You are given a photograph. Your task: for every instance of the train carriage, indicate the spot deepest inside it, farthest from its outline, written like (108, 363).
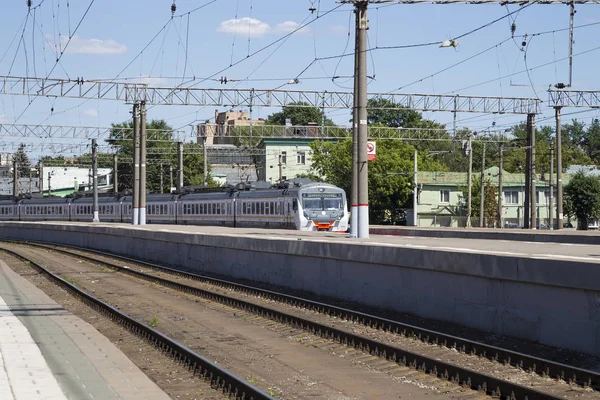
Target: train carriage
(109, 209)
(312, 207)
(161, 209)
(49, 209)
(8, 210)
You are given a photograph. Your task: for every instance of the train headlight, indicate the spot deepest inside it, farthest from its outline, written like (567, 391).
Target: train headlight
(306, 216)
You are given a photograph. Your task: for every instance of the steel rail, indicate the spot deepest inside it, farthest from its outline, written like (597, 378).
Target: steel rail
(540, 366)
(459, 375)
(220, 378)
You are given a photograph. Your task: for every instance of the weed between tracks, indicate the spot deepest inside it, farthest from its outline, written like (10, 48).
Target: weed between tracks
(72, 281)
(154, 322)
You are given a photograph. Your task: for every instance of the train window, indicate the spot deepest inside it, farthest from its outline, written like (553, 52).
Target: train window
(262, 208)
(213, 206)
(295, 203)
(267, 208)
(253, 208)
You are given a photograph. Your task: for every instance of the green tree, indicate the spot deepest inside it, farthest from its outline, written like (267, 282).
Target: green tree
(161, 151)
(299, 113)
(23, 164)
(390, 176)
(393, 118)
(490, 205)
(583, 196)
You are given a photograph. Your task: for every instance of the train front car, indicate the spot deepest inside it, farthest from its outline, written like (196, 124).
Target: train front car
(322, 207)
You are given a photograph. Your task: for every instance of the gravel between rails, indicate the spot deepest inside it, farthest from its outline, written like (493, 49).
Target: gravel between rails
(291, 365)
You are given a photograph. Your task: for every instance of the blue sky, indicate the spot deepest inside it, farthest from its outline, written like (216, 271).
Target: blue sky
(114, 33)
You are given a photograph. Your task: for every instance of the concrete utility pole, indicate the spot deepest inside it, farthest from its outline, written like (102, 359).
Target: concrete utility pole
(96, 217)
(136, 165)
(15, 179)
(205, 160)
(41, 177)
(116, 174)
(470, 181)
(280, 168)
(363, 166)
(161, 179)
(531, 130)
(49, 185)
(170, 178)
(551, 194)
(500, 189)
(559, 182)
(142, 197)
(354, 191)
(482, 198)
(415, 194)
(179, 167)
(526, 189)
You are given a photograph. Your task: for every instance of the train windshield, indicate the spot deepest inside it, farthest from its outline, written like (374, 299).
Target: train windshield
(313, 204)
(322, 203)
(332, 203)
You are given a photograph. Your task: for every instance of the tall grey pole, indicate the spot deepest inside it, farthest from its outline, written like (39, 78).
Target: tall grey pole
(250, 115)
(527, 187)
(363, 166)
(179, 167)
(415, 193)
(161, 179)
(531, 129)
(482, 190)
(96, 217)
(41, 177)
(49, 185)
(116, 173)
(354, 190)
(15, 179)
(142, 210)
(280, 169)
(170, 178)
(500, 189)
(551, 194)
(470, 182)
(136, 165)
(205, 160)
(322, 119)
(559, 182)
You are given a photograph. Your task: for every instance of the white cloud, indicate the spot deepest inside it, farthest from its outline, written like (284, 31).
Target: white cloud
(79, 45)
(91, 113)
(244, 26)
(150, 81)
(289, 26)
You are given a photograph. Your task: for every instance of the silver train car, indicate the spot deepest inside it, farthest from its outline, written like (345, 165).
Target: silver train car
(311, 207)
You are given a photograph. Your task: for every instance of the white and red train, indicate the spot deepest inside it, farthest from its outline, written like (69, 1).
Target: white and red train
(311, 207)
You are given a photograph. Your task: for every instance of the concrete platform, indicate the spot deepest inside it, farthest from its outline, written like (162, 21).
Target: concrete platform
(48, 353)
(545, 292)
(591, 237)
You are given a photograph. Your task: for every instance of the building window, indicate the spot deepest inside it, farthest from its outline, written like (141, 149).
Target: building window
(301, 157)
(511, 197)
(444, 196)
(284, 157)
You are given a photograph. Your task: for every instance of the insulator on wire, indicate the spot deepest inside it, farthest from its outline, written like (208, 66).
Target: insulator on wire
(173, 8)
(29, 3)
(513, 29)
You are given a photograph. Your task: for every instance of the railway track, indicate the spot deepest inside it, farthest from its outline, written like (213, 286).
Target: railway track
(219, 378)
(432, 365)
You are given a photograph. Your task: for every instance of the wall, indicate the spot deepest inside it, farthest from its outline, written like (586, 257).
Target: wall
(554, 302)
